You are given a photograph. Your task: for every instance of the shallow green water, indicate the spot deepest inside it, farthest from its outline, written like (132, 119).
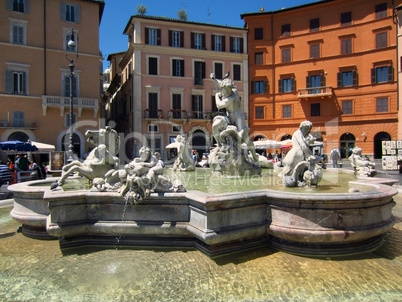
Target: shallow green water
(204, 180)
(36, 270)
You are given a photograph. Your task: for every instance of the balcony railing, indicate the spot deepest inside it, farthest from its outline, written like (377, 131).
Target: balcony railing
(153, 114)
(199, 115)
(20, 125)
(177, 114)
(313, 92)
(64, 104)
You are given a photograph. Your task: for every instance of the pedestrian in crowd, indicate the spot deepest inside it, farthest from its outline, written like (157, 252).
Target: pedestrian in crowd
(335, 155)
(10, 165)
(32, 165)
(22, 163)
(5, 174)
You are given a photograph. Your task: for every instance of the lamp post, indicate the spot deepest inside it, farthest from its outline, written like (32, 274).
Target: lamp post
(71, 56)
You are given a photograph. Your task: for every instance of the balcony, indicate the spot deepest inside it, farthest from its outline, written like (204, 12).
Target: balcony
(23, 125)
(153, 114)
(177, 114)
(315, 92)
(64, 103)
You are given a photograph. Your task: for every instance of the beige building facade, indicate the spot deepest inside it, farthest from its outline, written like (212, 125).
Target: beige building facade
(35, 75)
(161, 86)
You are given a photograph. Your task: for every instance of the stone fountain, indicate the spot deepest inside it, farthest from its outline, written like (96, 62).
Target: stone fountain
(138, 206)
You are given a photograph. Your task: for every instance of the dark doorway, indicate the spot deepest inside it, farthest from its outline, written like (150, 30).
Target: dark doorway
(378, 139)
(199, 142)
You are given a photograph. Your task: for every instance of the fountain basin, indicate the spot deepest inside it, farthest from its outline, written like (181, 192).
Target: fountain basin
(318, 224)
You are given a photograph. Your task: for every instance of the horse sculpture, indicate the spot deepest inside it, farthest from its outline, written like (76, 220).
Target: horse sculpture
(99, 161)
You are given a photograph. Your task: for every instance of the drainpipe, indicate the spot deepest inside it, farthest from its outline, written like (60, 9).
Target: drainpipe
(44, 50)
(273, 65)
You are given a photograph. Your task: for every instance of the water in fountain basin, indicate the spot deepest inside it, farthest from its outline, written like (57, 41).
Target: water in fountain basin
(37, 270)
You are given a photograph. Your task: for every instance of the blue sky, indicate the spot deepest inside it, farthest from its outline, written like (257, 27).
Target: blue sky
(118, 12)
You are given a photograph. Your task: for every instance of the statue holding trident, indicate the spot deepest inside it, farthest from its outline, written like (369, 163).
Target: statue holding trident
(230, 132)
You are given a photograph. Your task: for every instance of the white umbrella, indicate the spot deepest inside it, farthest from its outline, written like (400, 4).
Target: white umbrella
(43, 147)
(266, 144)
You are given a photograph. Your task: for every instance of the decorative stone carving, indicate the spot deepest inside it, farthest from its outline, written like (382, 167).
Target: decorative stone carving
(135, 182)
(231, 134)
(99, 161)
(184, 161)
(361, 166)
(300, 167)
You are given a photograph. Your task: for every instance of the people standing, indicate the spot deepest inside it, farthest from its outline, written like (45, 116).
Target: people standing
(335, 155)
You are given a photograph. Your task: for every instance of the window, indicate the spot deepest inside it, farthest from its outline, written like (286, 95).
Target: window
(314, 82)
(21, 6)
(347, 107)
(218, 70)
(346, 46)
(259, 112)
(259, 58)
(285, 30)
(67, 84)
(382, 104)
(176, 38)
(218, 43)
(315, 109)
(18, 119)
(381, 40)
(153, 128)
(152, 36)
(381, 10)
(382, 74)
(236, 45)
(199, 72)
(176, 129)
(314, 24)
(259, 87)
(236, 72)
(196, 106)
(70, 12)
(346, 19)
(16, 80)
(18, 32)
(287, 84)
(347, 78)
(153, 105)
(286, 55)
(197, 41)
(286, 111)
(176, 105)
(258, 33)
(314, 51)
(152, 66)
(177, 68)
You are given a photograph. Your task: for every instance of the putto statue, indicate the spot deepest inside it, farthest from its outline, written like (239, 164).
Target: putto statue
(300, 167)
(361, 166)
(184, 161)
(230, 133)
(134, 182)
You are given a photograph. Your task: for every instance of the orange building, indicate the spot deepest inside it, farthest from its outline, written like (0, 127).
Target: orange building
(331, 62)
(35, 75)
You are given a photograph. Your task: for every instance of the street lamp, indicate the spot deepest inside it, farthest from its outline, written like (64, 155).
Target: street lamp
(71, 56)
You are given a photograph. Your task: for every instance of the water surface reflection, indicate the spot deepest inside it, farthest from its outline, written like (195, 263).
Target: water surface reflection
(35, 270)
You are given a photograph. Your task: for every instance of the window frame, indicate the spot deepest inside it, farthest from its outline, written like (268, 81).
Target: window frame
(23, 6)
(259, 112)
(70, 12)
(259, 33)
(22, 72)
(152, 67)
(315, 109)
(177, 67)
(287, 111)
(285, 30)
(346, 19)
(347, 107)
(314, 25)
(22, 24)
(382, 105)
(381, 40)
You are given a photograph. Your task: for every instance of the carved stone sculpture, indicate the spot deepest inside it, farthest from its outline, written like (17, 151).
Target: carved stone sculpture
(361, 166)
(300, 167)
(184, 161)
(231, 134)
(99, 161)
